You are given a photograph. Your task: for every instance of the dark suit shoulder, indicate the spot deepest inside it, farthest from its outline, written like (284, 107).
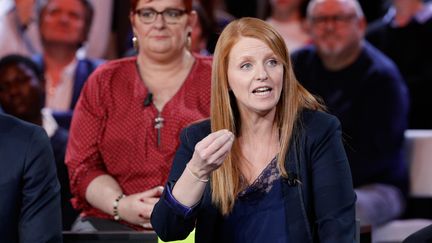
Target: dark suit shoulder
(315, 123)
(316, 118)
(18, 139)
(381, 63)
(303, 55)
(12, 129)
(195, 132)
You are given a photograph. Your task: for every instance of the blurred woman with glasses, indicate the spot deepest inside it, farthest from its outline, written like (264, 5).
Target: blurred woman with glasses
(127, 122)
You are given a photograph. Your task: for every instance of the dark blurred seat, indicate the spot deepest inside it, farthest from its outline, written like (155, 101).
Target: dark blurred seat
(110, 237)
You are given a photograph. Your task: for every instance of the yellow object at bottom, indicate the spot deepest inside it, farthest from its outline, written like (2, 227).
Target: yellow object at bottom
(189, 239)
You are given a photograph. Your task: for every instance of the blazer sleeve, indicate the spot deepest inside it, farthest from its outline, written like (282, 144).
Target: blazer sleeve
(169, 222)
(332, 188)
(83, 157)
(40, 219)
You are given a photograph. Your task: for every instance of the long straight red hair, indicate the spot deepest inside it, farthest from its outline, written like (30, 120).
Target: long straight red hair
(225, 181)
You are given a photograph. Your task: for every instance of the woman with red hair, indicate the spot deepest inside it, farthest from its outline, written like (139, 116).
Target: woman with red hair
(269, 165)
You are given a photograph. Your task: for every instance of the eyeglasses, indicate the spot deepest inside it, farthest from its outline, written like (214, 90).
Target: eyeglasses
(170, 16)
(336, 19)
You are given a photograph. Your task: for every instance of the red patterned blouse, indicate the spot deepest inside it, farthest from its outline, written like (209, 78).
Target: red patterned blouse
(114, 133)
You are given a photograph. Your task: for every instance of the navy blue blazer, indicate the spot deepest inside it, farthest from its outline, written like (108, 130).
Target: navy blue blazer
(319, 209)
(29, 189)
(83, 70)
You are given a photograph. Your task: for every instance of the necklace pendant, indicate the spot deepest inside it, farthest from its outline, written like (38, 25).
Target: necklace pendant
(158, 122)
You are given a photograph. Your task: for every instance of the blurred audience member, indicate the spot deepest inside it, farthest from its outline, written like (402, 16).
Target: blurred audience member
(30, 192)
(201, 31)
(127, 122)
(405, 35)
(21, 95)
(217, 9)
(64, 26)
(365, 90)
(218, 17)
(287, 18)
(18, 28)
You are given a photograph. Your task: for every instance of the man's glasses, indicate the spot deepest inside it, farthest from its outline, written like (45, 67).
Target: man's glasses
(149, 15)
(336, 19)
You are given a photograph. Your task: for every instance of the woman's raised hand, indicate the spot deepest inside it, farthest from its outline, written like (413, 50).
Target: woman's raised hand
(210, 153)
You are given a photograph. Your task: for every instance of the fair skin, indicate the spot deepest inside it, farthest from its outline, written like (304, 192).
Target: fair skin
(405, 10)
(337, 32)
(62, 28)
(255, 76)
(163, 60)
(164, 64)
(135, 208)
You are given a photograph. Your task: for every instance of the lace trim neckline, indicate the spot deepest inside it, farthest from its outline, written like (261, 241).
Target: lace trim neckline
(263, 183)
